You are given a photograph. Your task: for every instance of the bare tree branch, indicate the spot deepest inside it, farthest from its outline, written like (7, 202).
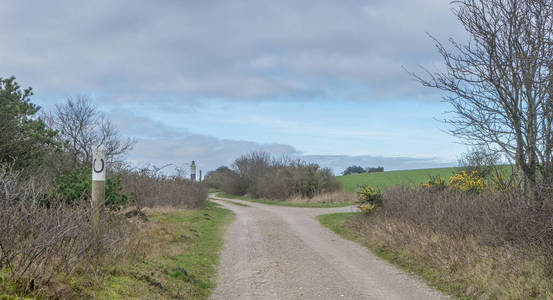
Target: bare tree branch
(499, 83)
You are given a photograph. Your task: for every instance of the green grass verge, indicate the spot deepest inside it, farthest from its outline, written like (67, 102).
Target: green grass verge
(338, 222)
(383, 180)
(286, 203)
(183, 251)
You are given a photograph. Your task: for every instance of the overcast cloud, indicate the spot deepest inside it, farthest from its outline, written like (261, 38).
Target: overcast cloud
(189, 50)
(173, 55)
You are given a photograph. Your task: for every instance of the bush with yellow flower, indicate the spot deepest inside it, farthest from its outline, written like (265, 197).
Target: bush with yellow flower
(434, 184)
(369, 198)
(467, 182)
(461, 181)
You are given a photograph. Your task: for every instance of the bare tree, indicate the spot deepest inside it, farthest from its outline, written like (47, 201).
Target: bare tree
(499, 82)
(481, 161)
(81, 127)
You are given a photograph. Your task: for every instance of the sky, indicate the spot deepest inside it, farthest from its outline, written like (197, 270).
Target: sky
(324, 81)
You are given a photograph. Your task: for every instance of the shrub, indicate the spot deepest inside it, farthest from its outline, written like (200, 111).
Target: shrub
(370, 195)
(479, 160)
(467, 182)
(450, 235)
(213, 178)
(369, 199)
(374, 170)
(148, 187)
(498, 182)
(359, 170)
(353, 170)
(307, 179)
(463, 182)
(39, 242)
(77, 184)
(115, 197)
(275, 185)
(250, 168)
(24, 138)
(367, 207)
(257, 175)
(434, 184)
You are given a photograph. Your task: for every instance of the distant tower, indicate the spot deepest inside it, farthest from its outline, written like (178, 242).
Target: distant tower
(200, 175)
(193, 171)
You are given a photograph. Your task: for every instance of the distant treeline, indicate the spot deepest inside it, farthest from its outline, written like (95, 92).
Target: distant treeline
(358, 170)
(259, 175)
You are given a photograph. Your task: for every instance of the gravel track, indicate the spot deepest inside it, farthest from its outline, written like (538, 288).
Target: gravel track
(277, 252)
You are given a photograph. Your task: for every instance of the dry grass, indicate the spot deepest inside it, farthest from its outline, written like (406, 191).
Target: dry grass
(489, 246)
(158, 238)
(44, 240)
(148, 187)
(332, 197)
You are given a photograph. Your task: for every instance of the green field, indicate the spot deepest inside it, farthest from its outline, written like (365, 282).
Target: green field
(392, 178)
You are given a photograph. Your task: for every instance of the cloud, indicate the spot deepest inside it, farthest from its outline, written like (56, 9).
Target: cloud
(159, 144)
(208, 152)
(244, 49)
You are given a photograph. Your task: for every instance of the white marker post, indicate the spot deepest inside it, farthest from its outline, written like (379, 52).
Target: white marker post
(98, 184)
(193, 171)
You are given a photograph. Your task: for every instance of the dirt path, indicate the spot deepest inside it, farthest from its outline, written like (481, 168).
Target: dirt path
(276, 252)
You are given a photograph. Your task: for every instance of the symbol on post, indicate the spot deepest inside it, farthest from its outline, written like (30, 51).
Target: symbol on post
(101, 168)
(99, 165)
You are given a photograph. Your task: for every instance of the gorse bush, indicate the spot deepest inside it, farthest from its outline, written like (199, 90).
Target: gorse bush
(499, 182)
(467, 182)
(370, 195)
(369, 198)
(77, 185)
(115, 198)
(434, 184)
(463, 182)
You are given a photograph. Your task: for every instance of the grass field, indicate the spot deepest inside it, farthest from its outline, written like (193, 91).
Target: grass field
(181, 250)
(286, 203)
(392, 178)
